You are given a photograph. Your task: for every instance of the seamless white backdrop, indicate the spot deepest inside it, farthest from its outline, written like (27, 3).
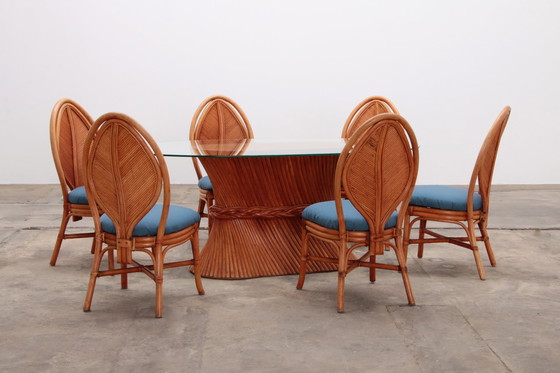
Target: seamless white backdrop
(296, 67)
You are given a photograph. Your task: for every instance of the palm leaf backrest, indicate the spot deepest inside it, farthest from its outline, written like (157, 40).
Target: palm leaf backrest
(125, 173)
(484, 166)
(69, 127)
(219, 118)
(365, 110)
(378, 169)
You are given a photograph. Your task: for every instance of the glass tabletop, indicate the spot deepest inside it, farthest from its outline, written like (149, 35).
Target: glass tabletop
(251, 147)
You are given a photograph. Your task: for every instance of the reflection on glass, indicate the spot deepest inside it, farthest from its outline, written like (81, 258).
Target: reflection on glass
(225, 147)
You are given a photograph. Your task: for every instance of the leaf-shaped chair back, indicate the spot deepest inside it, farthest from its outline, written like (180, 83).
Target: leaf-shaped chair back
(378, 169)
(125, 172)
(484, 166)
(69, 127)
(365, 110)
(219, 118)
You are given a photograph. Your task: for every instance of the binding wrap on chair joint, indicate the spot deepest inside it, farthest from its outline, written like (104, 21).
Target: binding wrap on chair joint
(124, 251)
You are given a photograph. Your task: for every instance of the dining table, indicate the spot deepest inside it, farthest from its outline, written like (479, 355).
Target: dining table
(260, 188)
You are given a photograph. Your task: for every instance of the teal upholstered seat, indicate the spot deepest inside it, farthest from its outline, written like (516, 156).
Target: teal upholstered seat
(179, 218)
(443, 197)
(78, 196)
(324, 214)
(204, 183)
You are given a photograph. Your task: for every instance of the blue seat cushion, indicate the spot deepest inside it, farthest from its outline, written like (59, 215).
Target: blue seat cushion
(178, 218)
(205, 183)
(78, 196)
(324, 214)
(443, 197)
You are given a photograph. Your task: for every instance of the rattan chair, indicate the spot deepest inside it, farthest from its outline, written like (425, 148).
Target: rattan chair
(68, 129)
(377, 168)
(464, 207)
(125, 175)
(217, 117)
(365, 110)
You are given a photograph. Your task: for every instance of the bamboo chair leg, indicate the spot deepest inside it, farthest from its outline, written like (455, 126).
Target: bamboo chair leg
(110, 258)
(124, 277)
(340, 297)
(372, 259)
(201, 204)
(476, 252)
(421, 238)
(196, 266)
(60, 237)
(342, 271)
(486, 237)
(399, 251)
(158, 274)
(209, 202)
(406, 233)
(93, 276)
(303, 259)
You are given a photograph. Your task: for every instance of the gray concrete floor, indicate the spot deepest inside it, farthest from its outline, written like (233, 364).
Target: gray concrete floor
(508, 323)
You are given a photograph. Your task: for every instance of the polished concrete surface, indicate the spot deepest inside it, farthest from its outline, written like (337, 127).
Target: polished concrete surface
(508, 323)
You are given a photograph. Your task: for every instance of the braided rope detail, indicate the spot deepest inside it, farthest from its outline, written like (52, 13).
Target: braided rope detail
(256, 212)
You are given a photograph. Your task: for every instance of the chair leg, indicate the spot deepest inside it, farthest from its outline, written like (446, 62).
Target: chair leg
(60, 237)
(303, 259)
(196, 266)
(476, 253)
(209, 203)
(124, 277)
(94, 274)
(421, 234)
(110, 258)
(158, 274)
(399, 251)
(406, 233)
(372, 259)
(486, 237)
(201, 204)
(342, 272)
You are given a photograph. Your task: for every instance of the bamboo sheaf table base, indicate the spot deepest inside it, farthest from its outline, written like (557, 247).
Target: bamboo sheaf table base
(259, 196)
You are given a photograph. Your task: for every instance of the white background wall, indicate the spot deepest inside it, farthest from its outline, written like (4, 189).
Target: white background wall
(296, 67)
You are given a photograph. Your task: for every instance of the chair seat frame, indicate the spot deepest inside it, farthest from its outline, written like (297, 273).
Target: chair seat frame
(156, 251)
(460, 218)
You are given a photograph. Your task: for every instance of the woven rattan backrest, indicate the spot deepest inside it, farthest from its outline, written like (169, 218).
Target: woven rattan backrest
(125, 172)
(219, 118)
(484, 167)
(68, 130)
(378, 169)
(365, 110)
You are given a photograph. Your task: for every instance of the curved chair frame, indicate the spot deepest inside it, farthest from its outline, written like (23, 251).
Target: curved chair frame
(481, 182)
(125, 179)
(365, 110)
(217, 117)
(377, 168)
(69, 125)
